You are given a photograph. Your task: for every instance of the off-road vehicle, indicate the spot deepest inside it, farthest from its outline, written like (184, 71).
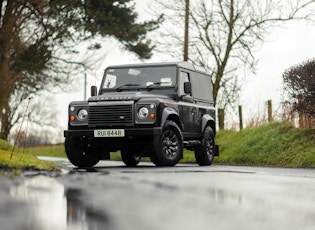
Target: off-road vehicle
(145, 110)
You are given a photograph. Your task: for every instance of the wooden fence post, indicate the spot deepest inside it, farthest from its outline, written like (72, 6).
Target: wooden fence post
(270, 119)
(240, 114)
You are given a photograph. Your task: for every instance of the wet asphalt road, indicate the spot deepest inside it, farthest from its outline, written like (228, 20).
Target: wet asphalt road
(112, 196)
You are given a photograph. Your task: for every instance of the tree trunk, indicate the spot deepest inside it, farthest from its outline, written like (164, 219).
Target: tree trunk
(8, 40)
(221, 119)
(6, 123)
(4, 97)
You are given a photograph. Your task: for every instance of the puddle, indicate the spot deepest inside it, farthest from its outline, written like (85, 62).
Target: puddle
(89, 170)
(52, 207)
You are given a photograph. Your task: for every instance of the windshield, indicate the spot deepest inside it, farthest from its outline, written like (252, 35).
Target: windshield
(140, 77)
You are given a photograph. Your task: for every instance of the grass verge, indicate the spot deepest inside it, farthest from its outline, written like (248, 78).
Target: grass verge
(276, 144)
(21, 161)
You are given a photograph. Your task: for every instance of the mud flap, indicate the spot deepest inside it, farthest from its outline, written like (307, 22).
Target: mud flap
(216, 150)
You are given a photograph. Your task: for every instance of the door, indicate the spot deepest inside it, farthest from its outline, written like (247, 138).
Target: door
(187, 109)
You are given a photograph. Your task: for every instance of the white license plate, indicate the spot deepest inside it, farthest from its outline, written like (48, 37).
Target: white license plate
(109, 133)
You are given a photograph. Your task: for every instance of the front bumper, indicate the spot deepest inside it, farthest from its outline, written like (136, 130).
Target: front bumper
(128, 132)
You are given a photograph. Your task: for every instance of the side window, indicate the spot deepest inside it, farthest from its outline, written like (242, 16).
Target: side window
(202, 87)
(183, 77)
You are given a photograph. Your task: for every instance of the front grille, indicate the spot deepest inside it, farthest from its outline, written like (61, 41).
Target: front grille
(111, 115)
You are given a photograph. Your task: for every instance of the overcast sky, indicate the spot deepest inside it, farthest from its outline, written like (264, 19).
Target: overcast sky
(286, 46)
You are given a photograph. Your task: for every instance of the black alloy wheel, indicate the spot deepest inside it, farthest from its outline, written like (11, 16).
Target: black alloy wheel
(204, 152)
(82, 152)
(168, 148)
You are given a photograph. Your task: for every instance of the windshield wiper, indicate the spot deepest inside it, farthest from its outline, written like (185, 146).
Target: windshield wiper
(118, 89)
(154, 84)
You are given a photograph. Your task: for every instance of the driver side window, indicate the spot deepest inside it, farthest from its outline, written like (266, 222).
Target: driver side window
(183, 77)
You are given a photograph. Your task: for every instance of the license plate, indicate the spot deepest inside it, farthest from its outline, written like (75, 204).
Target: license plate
(109, 133)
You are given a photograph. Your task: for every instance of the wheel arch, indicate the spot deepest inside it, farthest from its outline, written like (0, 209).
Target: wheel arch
(170, 114)
(208, 120)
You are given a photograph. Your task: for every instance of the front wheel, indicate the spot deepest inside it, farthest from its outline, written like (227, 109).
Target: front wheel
(204, 152)
(168, 147)
(82, 152)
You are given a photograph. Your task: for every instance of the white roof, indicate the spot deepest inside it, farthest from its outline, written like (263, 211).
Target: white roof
(182, 64)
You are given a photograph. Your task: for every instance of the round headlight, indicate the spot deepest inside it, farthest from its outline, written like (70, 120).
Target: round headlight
(82, 114)
(143, 112)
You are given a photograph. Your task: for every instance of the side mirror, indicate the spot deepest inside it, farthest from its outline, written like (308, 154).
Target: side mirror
(93, 90)
(187, 87)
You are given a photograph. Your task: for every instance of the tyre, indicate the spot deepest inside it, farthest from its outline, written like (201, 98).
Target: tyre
(131, 157)
(168, 147)
(82, 152)
(204, 152)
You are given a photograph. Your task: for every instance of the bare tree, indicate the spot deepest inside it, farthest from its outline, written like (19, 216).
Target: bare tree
(225, 34)
(37, 116)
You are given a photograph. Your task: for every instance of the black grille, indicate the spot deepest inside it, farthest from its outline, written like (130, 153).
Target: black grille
(110, 115)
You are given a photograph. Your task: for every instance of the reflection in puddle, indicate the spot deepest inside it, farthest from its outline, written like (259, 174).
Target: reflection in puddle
(223, 197)
(89, 170)
(51, 206)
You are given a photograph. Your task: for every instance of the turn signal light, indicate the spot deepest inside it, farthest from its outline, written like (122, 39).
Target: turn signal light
(152, 115)
(72, 118)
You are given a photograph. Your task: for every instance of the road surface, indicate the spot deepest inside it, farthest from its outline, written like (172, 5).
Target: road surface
(112, 196)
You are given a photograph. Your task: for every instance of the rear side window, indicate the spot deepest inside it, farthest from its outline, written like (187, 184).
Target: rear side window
(201, 87)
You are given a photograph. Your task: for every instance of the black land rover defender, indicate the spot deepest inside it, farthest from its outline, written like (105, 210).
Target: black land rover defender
(145, 110)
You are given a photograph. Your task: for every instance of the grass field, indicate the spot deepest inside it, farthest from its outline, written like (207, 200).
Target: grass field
(49, 150)
(276, 144)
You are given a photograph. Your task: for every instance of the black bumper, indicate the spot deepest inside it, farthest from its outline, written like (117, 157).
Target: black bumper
(128, 132)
